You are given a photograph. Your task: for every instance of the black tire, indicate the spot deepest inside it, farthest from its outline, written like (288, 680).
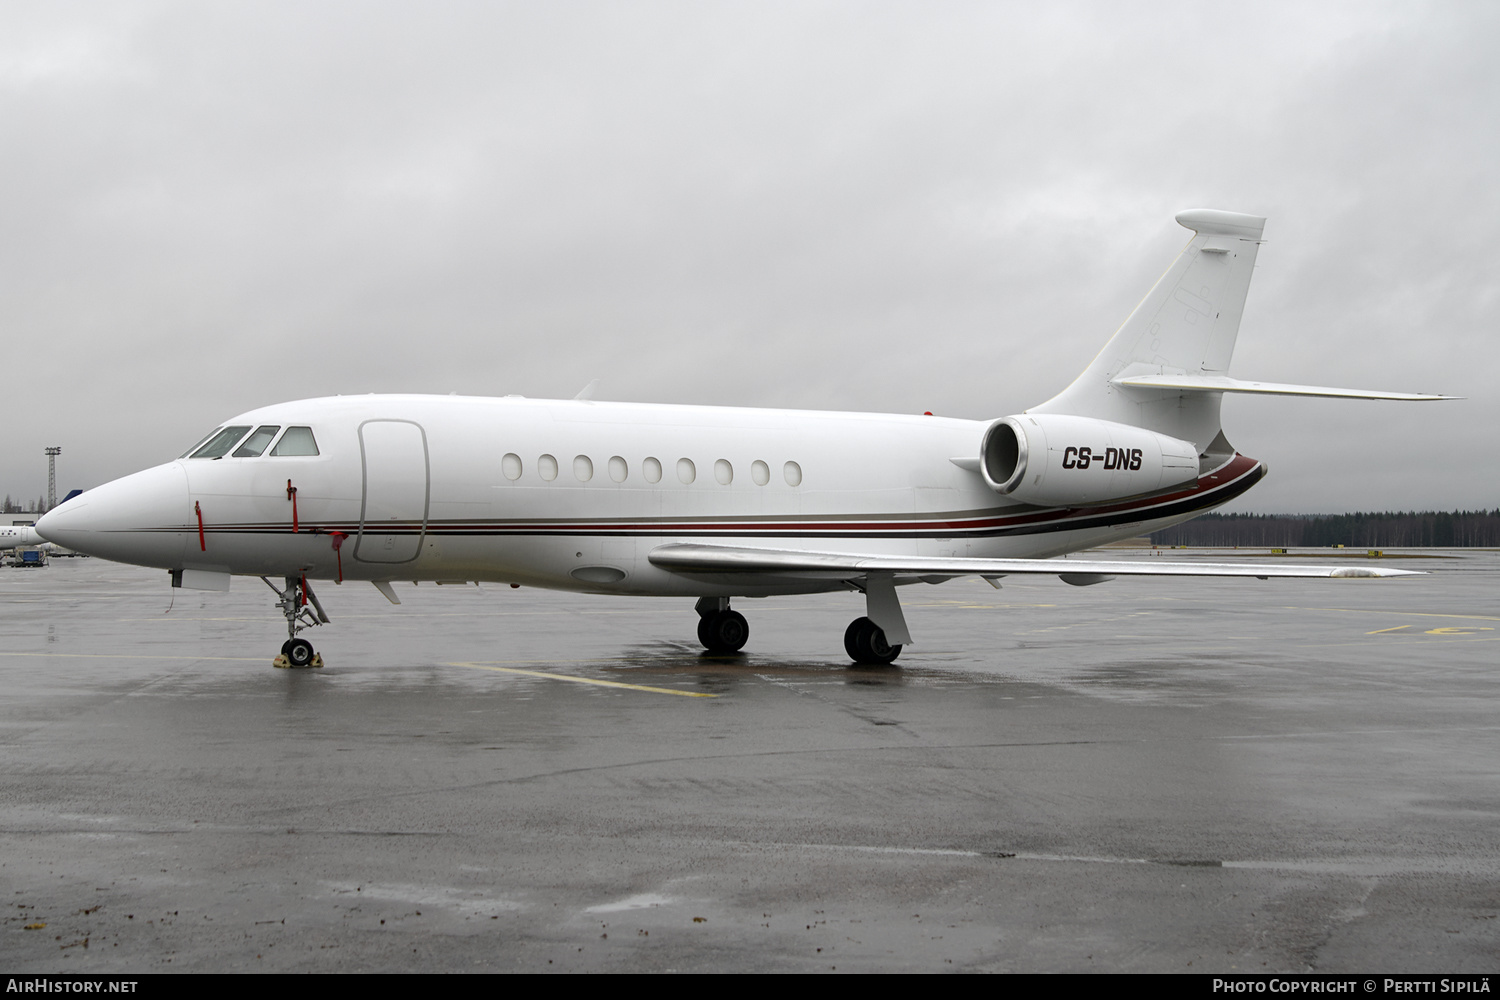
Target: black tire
(299, 652)
(286, 646)
(723, 632)
(865, 643)
(853, 638)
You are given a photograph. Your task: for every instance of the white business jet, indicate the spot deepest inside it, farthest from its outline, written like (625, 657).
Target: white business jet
(715, 503)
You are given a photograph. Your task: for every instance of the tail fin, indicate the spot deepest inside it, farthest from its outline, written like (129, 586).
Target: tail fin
(1186, 326)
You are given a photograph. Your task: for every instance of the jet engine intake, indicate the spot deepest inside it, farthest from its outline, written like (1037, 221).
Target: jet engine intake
(1057, 460)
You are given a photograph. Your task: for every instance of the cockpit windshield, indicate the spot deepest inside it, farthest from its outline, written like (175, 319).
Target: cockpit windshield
(256, 443)
(200, 443)
(220, 442)
(296, 441)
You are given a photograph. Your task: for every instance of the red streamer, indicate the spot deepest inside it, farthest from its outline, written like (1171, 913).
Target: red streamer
(338, 543)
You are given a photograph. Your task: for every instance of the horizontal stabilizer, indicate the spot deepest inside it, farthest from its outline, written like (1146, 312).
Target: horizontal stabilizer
(1223, 383)
(696, 559)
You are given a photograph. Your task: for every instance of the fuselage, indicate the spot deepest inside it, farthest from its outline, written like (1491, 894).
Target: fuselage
(574, 494)
(15, 536)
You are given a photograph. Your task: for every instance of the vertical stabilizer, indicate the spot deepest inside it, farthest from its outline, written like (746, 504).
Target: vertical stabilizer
(1186, 325)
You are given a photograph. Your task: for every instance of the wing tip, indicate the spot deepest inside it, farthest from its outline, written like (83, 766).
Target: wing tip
(1367, 573)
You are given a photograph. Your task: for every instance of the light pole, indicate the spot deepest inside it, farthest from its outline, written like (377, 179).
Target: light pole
(52, 454)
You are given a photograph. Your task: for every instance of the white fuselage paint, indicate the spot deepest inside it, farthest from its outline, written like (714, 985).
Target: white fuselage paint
(419, 485)
(16, 536)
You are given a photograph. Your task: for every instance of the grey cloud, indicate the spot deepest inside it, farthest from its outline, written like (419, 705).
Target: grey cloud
(865, 206)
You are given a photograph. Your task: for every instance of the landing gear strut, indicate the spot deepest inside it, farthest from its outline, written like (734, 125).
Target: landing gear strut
(877, 638)
(720, 629)
(865, 642)
(293, 601)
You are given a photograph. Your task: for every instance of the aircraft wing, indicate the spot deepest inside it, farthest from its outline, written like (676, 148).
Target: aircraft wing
(720, 561)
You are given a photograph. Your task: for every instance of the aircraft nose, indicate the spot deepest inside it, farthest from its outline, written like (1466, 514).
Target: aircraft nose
(139, 519)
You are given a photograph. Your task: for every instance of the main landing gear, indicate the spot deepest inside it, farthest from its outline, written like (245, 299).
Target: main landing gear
(866, 643)
(293, 601)
(720, 629)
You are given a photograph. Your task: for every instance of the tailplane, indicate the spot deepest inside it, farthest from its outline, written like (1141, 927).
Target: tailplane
(1167, 368)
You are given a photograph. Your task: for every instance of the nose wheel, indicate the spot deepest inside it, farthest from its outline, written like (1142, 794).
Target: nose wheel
(302, 610)
(299, 653)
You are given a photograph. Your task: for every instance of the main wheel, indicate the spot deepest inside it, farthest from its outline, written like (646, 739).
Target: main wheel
(298, 652)
(865, 642)
(723, 632)
(852, 637)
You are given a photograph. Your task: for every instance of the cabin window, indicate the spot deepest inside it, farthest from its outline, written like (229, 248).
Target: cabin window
(256, 443)
(583, 468)
(723, 472)
(219, 444)
(297, 441)
(760, 472)
(546, 467)
(793, 473)
(651, 469)
(619, 469)
(510, 465)
(686, 470)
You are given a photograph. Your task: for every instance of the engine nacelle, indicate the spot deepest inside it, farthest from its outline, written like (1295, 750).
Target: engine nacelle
(1057, 460)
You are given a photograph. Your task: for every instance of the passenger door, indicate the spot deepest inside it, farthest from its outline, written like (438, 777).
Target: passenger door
(393, 512)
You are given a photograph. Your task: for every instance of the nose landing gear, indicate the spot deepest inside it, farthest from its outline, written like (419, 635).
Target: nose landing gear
(298, 653)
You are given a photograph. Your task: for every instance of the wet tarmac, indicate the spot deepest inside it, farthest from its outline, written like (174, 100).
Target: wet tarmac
(1149, 775)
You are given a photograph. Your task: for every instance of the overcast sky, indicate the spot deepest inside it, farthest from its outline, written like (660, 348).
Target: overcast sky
(924, 206)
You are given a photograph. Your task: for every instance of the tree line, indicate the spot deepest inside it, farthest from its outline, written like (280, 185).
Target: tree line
(38, 506)
(1391, 529)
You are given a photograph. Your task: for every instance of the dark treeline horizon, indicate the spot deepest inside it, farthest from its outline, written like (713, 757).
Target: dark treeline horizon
(13, 506)
(1389, 529)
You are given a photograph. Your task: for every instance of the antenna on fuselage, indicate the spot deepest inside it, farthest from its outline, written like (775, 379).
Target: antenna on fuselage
(587, 392)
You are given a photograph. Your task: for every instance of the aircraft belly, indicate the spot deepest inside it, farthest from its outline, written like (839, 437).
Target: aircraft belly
(590, 564)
